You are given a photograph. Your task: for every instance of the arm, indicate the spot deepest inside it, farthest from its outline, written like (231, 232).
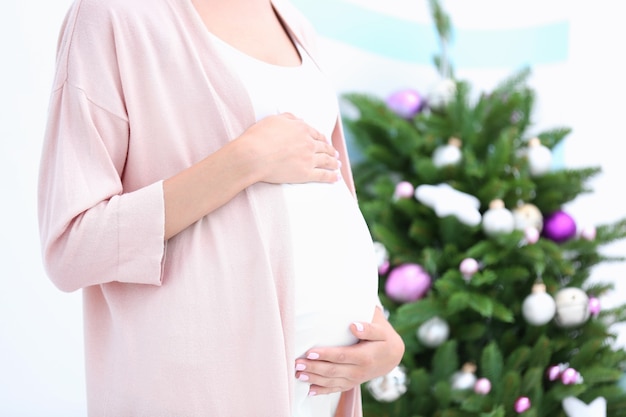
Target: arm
(278, 149)
(94, 232)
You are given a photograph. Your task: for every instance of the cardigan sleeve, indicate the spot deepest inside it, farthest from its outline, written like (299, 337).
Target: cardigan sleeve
(93, 230)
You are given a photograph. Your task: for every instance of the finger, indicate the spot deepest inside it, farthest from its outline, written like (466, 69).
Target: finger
(318, 136)
(315, 390)
(319, 358)
(322, 383)
(325, 175)
(325, 161)
(367, 331)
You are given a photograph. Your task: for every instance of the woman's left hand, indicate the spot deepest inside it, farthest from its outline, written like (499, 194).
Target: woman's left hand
(338, 369)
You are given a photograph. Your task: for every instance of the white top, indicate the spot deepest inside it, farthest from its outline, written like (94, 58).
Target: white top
(336, 278)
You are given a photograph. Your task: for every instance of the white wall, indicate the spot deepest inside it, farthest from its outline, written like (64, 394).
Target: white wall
(41, 372)
(41, 358)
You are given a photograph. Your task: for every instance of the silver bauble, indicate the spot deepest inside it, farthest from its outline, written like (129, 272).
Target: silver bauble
(390, 387)
(539, 158)
(527, 215)
(572, 307)
(498, 220)
(433, 332)
(539, 307)
(449, 154)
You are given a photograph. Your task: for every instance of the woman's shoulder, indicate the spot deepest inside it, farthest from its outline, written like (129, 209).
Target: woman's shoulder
(106, 12)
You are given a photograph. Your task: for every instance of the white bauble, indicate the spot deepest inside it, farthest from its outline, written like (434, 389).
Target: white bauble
(539, 157)
(498, 220)
(441, 94)
(527, 215)
(539, 307)
(390, 387)
(380, 254)
(464, 379)
(572, 307)
(433, 332)
(449, 154)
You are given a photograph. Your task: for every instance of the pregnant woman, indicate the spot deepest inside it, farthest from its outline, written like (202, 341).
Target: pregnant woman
(194, 183)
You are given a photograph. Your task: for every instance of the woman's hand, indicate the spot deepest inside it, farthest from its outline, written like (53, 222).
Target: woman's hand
(337, 369)
(284, 149)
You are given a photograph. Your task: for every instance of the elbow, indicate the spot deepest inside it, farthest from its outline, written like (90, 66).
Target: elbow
(61, 277)
(60, 269)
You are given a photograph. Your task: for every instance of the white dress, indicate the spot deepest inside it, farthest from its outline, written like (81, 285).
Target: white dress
(336, 279)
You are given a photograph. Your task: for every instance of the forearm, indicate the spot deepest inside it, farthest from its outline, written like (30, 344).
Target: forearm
(207, 185)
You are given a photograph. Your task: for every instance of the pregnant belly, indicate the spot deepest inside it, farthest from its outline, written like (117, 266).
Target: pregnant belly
(336, 278)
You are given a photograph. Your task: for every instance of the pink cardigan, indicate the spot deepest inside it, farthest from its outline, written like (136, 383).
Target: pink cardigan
(200, 325)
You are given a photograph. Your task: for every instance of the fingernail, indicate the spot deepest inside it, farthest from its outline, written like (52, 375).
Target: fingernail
(358, 325)
(336, 154)
(300, 367)
(312, 393)
(339, 177)
(303, 377)
(313, 355)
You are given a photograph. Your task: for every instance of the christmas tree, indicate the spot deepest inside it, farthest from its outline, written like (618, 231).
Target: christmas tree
(482, 271)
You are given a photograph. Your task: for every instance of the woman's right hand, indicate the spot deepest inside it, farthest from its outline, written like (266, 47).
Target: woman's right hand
(284, 149)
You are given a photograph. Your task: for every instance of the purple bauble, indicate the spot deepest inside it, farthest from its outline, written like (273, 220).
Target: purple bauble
(570, 376)
(407, 283)
(559, 227)
(482, 386)
(383, 268)
(404, 189)
(531, 235)
(405, 103)
(554, 372)
(594, 306)
(468, 267)
(522, 404)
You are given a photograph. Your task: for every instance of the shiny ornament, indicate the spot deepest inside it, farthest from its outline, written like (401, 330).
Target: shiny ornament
(433, 332)
(441, 94)
(468, 267)
(572, 307)
(559, 226)
(571, 376)
(482, 386)
(555, 371)
(588, 232)
(390, 387)
(539, 158)
(522, 404)
(404, 189)
(405, 103)
(497, 220)
(594, 306)
(382, 258)
(446, 201)
(449, 154)
(407, 283)
(465, 378)
(527, 215)
(539, 307)
(531, 235)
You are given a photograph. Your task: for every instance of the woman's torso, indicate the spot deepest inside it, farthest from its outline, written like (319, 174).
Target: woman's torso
(334, 271)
